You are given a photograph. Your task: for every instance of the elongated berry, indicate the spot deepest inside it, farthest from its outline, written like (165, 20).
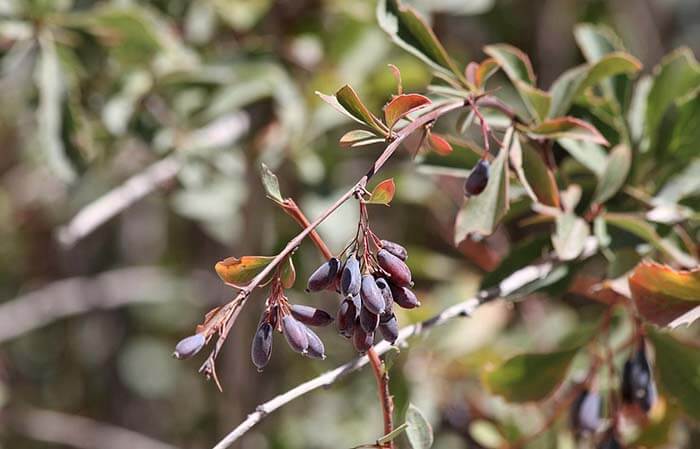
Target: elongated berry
(362, 340)
(295, 333)
(189, 346)
(395, 249)
(478, 178)
(372, 298)
(261, 348)
(324, 276)
(389, 328)
(386, 293)
(311, 315)
(585, 412)
(398, 271)
(368, 320)
(345, 319)
(638, 385)
(350, 279)
(404, 297)
(316, 350)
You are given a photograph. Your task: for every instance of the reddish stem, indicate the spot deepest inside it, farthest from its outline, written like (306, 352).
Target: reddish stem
(385, 398)
(292, 209)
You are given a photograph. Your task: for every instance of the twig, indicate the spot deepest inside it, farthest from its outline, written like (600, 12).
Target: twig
(385, 398)
(78, 431)
(515, 281)
(106, 207)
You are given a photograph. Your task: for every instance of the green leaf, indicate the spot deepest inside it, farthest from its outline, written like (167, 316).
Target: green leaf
(615, 174)
(590, 155)
(410, 32)
(682, 185)
(596, 41)
(271, 184)
(383, 193)
(349, 100)
(645, 231)
(419, 431)
(534, 174)
(288, 273)
(50, 86)
(570, 236)
(529, 377)
(678, 366)
(393, 434)
(662, 293)
(677, 76)
(481, 213)
(568, 128)
(536, 101)
(359, 137)
(513, 61)
(401, 105)
(238, 272)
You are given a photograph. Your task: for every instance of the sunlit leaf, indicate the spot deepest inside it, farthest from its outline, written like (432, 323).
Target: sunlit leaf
(662, 293)
(678, 365)
(536, 100)
(351, 102)
(616, 170)
(383, 193)
(570, 236)
(391, 436)
(488, 67)
(568, 128)
(513, 61)
(589, 154)
(288, 273)
(271, 184)
(357, 136)
(238, 272)
(419, 430)
(439, 145)
(595, 41)
(534, 174)
(486, 434)
(401, 105)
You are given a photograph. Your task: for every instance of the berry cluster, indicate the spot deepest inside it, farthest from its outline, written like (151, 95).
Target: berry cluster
(638, 391)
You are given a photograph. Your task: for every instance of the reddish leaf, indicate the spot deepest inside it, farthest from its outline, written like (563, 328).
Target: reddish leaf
(487, 68)
(238, 272)
(383, 193)
(662, 293)
(439, 144)
(567, 127)
(401, 105)
(397, 74)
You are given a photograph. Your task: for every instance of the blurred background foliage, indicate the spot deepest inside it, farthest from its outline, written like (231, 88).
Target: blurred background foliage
(193, 96)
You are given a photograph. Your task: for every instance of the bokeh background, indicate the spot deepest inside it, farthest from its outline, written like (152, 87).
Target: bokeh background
(168, 107)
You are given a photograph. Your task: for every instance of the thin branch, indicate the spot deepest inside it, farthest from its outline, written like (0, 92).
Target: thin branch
(78, 295)
(509, 285)
(385, 399)
(78, 431)
(111, 204)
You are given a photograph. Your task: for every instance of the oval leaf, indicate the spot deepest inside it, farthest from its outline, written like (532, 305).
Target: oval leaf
(419, 430)
(288, 273)
(383, 193)
(662, 293)
(351, 102)
(356, 136)
(439, 145)
(616, 170)
(402, 105)
(271, 184)
(534, 174)
(567, 127)
(513, 61)
(487, 68)
(570, 236)
(238, 272)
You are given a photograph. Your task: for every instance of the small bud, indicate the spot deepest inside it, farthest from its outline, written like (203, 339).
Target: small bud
(404, 297)
(350, 279)
(311, 315)
(316, 350)
(324, 276)
(368, 320)
(389, 328)
(372, 298)
(362, 340)
(295, 333)
(585, 412)
(398, 271)
(261, 348)
(189, 346)
(478, 178)
(395, 249)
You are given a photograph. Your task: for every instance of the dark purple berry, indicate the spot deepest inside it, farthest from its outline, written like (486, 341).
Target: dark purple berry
(638, 385)
(389, 328)
(395, 249)
(585, 412)
(404, 297)
(368, 320)
(311, 315)
(189, 346)
(386, 293)
(372, 298)
(398, 271)
(316, 350)
(345, 319)
(350, 279)
(362, 340)
(478, 178)
(261, 349)
(295, 333)
(324, 276)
